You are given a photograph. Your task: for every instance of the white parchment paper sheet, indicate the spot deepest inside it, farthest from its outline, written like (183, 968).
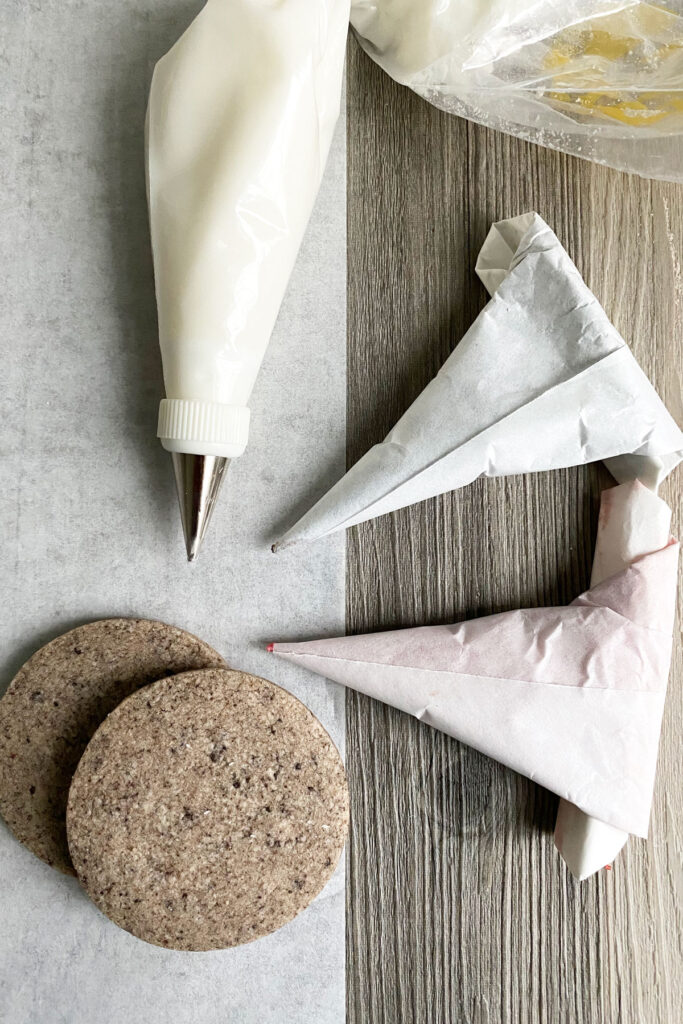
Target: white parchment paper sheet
(88, 510)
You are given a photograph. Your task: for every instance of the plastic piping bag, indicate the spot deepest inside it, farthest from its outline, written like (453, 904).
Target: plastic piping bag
(240, 119)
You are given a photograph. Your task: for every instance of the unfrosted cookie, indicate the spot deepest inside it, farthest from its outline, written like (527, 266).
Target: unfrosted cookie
(208, 810)
(57, 701)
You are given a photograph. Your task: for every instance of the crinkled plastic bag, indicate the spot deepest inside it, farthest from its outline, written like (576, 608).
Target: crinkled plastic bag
(601, 79)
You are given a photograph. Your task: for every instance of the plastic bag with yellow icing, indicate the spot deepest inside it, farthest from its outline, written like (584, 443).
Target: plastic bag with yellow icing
(602, 79)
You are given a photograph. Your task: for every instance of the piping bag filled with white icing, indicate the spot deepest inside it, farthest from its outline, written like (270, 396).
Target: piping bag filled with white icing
(240, 119)
(571, 697)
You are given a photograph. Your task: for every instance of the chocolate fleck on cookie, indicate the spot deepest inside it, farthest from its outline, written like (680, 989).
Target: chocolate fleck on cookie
(208, 810)
(57, 701)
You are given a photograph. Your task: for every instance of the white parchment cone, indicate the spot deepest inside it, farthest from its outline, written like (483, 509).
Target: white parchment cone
(542, 380)
(571, 697)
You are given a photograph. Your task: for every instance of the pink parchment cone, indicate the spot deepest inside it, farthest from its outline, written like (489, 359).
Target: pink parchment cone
(571, 697)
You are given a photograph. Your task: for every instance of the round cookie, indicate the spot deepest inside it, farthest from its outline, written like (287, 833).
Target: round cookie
(56, 702)
(207, 811)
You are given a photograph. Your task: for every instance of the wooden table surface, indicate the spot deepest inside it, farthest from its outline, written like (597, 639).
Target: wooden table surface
(459, 908)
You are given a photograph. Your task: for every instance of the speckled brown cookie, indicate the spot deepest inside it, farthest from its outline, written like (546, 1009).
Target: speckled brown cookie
(55, 704)
(208, 810)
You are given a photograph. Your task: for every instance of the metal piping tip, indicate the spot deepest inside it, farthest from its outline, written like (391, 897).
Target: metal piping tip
(198, 479)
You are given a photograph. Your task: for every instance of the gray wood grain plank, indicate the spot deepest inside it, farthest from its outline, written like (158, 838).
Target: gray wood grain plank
(459, 908)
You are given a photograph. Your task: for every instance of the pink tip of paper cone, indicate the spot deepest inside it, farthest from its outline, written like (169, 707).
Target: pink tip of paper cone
(270, 648)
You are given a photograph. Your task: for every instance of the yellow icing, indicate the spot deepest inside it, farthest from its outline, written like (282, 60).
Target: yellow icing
(589, 62)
